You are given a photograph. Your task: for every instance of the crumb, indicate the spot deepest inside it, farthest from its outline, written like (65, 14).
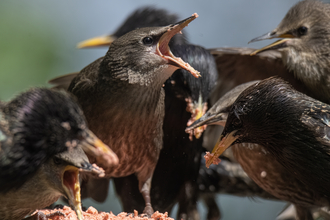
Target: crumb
(92, 214)
(210, 159)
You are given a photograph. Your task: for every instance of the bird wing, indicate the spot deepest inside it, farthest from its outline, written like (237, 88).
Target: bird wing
(80, 80)
(317, 118)
(63, 82)
(236, 66)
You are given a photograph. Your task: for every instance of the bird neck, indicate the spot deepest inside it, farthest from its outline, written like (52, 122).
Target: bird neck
(135, 72)
(312, 69)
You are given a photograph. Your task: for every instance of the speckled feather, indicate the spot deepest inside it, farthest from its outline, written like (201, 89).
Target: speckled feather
(32, 133)
(306, 54)
(128, 112)
(283, 121)
(178, 177)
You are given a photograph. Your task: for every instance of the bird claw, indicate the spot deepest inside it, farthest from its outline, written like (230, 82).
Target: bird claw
(42, 216)
(148, 211)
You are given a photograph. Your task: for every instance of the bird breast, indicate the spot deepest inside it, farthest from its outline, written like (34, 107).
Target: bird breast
(132, 128)
(270, 175)
(311, 69)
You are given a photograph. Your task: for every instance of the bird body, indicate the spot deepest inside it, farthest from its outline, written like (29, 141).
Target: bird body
(123, 99)
(39, 191)
(112, 104)
(43, 134)
(280, 138)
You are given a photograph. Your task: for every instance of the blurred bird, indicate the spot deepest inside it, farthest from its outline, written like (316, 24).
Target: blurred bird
(42, 134)
(280, 138)
(305, 46)
(123, 100)
(140, 18)
(182, 92)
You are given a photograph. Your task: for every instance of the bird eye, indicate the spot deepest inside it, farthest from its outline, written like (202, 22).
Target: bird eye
(57, 161)
(147, 41)
(302, 30)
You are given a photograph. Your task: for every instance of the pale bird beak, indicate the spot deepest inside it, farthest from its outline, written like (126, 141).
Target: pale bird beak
(276, 45)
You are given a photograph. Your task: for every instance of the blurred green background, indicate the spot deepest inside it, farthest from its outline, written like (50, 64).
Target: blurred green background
(38, 42)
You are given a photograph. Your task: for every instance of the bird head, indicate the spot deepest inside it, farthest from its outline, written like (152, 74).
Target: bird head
(265, 113)
(185, 86)
(146, 52)
(218, 113)
(43, 123)
(61, 174)
(305, 29)
(140, 18)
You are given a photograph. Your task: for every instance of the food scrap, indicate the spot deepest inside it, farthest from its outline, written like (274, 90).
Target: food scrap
(197, 110)
(209, 156)
(92, 214)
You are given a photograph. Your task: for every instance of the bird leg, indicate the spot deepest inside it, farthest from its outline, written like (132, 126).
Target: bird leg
(188, 202)
(42, 216)
(212, 206)
(303, 213)
(145, 191)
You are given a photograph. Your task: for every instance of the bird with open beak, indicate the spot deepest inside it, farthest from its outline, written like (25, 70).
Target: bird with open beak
(42, 137)
(280, 138)
(185, 100)
(305, 45)
(122, 97)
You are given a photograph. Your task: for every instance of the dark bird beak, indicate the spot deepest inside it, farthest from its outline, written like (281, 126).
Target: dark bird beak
(163, 50)
(100, 41)
(71, 185)
(95, 147)
(216, 119)
(276, 45)
(222, 144)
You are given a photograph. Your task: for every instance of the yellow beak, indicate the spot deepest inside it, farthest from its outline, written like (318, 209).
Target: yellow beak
(105, 40)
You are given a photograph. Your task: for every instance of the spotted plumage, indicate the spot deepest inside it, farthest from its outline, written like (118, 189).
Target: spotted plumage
(305, 30)
(123, 100)
(42, 134)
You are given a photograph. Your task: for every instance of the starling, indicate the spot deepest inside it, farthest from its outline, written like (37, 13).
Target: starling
(305, 30)
(228, 177)
(235, 67)
(123, 100)
(279, 136)
(42, 134)
(182, 91)
(218, 113)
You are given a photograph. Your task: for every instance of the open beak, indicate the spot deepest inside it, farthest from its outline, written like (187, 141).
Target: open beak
(276, 45)
(222, 144)
(100, 41)
(95, 147)
(164, 51)
(71, 185)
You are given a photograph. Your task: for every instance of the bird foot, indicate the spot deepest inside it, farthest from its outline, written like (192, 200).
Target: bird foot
(148, 210)
(41, 216)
